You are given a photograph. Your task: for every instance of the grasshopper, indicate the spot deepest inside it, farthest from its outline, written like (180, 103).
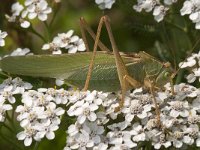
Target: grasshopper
(98, 70)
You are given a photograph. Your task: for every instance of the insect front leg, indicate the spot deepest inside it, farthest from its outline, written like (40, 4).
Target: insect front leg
(91, 65)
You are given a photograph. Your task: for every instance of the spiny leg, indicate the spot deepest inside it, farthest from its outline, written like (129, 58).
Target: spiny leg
(84, 35)
(149, 84)
(121, 68)
(126, 80)
(172, 83)
(91, 65)
(84, 26)
(156, 106)
(152, 90)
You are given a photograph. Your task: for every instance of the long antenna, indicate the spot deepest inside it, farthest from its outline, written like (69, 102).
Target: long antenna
(190, 51)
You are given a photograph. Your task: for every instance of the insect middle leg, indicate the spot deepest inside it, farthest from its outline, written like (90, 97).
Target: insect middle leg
(91, 65)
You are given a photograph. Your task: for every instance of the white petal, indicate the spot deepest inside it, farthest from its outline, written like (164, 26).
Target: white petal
(198, 142)
(32, 15)
(25, 24)
(28, 141)
(174, 113)
(50, 135)
(21, 136)
(42, 17)
(81, 119)
(92, 116)
(73, 50)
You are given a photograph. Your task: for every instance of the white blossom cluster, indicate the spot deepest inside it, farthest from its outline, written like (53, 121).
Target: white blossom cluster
(29, 10)
(8, 89)
(66, 41)
(98, 126)
(192, 64)
(192, 8)
(105, 4)
(159, 8)
(20, 52)
(39, 115)
(2, 36)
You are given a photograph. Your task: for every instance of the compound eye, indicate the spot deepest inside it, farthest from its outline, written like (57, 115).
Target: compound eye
(167, 74)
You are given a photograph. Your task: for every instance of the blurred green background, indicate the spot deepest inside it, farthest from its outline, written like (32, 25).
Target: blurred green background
(170, 40)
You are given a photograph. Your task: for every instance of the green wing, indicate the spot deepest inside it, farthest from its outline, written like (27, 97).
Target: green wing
(53, 66)
(71, 67)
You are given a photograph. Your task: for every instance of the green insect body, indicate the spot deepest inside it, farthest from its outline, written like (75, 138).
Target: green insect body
(74, 68)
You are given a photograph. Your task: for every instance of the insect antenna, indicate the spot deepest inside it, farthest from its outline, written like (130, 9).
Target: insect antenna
(189, 53)
(176, 71)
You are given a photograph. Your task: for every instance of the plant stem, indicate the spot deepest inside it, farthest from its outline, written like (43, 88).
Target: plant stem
(11, 120)
(10, 141)
(36, 146)
(176, 26)
(7, 127)
(48, 30)
(54, 15)
(38, 34)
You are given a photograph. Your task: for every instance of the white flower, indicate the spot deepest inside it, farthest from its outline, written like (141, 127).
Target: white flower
(94, 131)
(138, 132)
(40, 9)
(67, 41)
(77, 46)
(191, 8)
(82, 141)
(54, 46)
(179, 108)
(66, 38)
(3, 108)
(8, 95)
(147, 5)
(16, 9)
(136, 109)
(86, 111)
(46, 129)
(39, 114)
(73, 129)
(105, 4)
(60, 82)
(24, 23)
(20, 52)
(177, 136)
(120, 138)
(18, 15)
(170, 2)
(2, 36)
(27, 135)
(159, 12)
(159, 139)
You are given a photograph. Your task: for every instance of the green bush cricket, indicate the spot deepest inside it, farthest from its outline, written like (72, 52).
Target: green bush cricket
(103, 71)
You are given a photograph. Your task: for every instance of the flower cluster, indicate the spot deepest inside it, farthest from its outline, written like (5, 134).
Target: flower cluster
(137, 120)
(20, 52)
(2, 36)
(8, 89)
(159, 9)
(192, 8)
(28, 11)
(66, 41)
(192, 64)
(105, 4)
(39, 115)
